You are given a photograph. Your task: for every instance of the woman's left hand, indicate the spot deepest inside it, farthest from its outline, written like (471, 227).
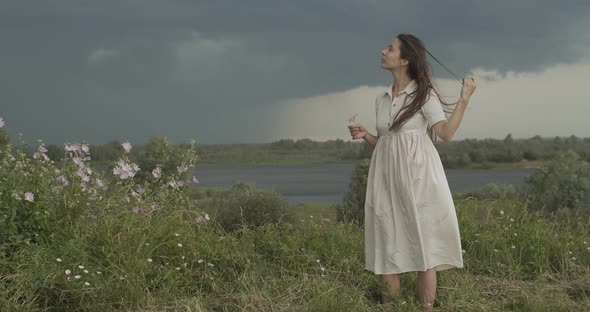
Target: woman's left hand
(469, 85)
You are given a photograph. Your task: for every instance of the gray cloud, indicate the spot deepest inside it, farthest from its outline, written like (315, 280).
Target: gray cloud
(215, 70)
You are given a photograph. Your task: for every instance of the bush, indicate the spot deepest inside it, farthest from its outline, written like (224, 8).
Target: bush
(563, 182)
(243, 204)
(352, 207)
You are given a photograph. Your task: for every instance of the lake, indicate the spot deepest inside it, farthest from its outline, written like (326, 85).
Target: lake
(327, 183)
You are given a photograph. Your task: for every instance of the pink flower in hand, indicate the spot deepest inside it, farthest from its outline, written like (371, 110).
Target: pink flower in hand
(353, 118)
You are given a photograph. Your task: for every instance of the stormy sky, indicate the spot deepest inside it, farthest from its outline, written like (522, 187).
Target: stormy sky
(262, 70)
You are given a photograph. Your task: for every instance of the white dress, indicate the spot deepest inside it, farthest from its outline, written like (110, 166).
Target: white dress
(410, 219)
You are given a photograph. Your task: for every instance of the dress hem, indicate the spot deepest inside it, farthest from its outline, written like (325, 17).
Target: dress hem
(438, 267)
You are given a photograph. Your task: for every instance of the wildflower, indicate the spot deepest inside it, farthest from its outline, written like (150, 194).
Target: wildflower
(495, 250)
(179, 245)
(177, 268)
(463, 251)
(72, 148)
(86, 271)
(16, 196)
(209, 264)
(352, 118)
(207, 217)
(322, 268)
(511, 220)
(81, 266)
(85, 148)
(181, 169)
(502, 212)
(77, 276)
(125, 170)
(180, 183)
(157, 172)
(68, 272)
(195, 180)
(63, 180)
(176, 234)
(149, 259)
(86, 283)
(318, 261)
(515, 234)
(126, 147)
(29, 196)
(136, 209)
(201, 260)
(182, 257)
(58, 259)
(513, 246)
(1, 122)
(574, 258)
(98, 272)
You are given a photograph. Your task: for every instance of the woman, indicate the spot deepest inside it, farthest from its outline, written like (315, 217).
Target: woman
(410, 219)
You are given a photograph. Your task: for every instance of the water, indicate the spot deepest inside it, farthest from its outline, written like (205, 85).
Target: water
(327, 183)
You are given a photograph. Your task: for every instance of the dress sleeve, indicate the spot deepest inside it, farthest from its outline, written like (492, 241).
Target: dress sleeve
(433, 110)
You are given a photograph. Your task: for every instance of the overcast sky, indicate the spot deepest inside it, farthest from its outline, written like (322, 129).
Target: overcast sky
(263, 70)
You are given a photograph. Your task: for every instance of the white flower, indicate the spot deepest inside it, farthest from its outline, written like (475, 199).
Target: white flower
(81, 266)
(150, 260)
(157, 172)
(68, 272)
(58, 259)
(209, 264)
(513, 246)
(495, 250)
(179, 245)
(206, 217)
(201, 260)
(511, 220)
(98, 272)
(195, 180)
(463, 251)
(181, 169)
(1, 122)
(182, 257)
(126, 147)
(322, 268)
(177, 268)
(77, 276)
(501, 212)
(86, 283)
(86, 271)
(29, 197)
(176, 234)
(318, 261)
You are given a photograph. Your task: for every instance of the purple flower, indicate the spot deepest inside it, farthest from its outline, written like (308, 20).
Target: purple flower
(125, 170)
(353, 118)
(195, 180)
(29, 196)
(85, 148)
(181, 169)
(126, 147)
(72, 148)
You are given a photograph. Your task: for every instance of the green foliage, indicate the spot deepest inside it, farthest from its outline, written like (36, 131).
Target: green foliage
(563, 183)
(352, 207)
(243, 204)
(494, 191)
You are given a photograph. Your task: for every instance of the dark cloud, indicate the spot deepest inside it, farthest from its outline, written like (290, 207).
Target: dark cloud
(212, 70)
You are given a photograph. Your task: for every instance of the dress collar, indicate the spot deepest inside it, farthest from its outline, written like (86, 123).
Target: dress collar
(411, 87)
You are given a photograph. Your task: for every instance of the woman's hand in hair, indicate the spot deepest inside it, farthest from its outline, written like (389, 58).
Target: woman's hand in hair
(469, 85)
(357, 131)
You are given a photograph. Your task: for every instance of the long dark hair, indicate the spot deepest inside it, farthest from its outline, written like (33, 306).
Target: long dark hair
(413, 50)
